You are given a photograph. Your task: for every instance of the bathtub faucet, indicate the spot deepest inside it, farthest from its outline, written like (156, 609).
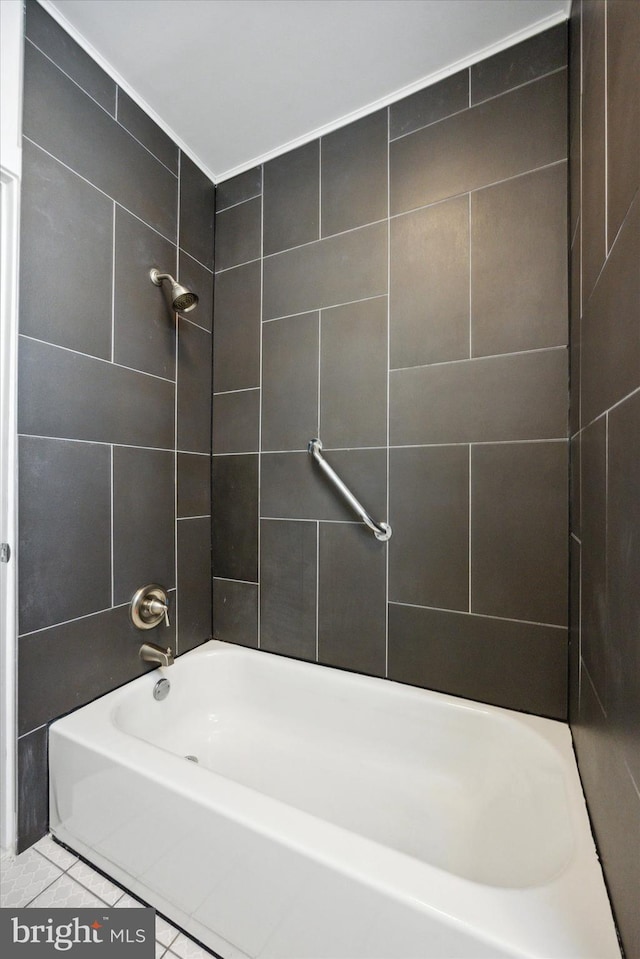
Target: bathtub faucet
(150, 653)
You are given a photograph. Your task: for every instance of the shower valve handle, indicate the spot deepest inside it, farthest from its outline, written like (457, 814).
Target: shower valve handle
(157, 608)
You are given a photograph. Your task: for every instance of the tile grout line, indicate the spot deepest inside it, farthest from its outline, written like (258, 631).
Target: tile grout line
(239, 202)
(473, 106)
(463, 612)
(94, 186)
(331, 306)
(112, 116)
(98, 359)
(479, 189)
(475, 359)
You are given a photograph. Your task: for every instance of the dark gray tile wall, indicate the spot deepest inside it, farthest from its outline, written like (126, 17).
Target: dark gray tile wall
(412, 314)
(604, 699)
(105, 373)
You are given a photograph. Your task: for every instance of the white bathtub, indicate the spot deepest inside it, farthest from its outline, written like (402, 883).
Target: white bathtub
(332, 816)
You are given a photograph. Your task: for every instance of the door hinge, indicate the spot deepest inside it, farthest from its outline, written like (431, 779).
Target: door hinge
(5, 552)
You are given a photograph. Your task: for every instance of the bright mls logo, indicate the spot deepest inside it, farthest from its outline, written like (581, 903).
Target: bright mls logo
(89, 933)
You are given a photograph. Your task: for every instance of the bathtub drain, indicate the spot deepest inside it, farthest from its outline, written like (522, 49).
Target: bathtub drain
(192, 759)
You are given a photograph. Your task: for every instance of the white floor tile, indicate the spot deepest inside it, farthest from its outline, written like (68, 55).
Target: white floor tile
(186, 948)
(66, 893)
(165, 932)
(25, 878)
(96, 883)
(59, 856)
(128, 902)
(160, 950)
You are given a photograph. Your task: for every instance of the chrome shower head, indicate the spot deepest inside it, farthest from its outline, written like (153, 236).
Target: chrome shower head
(182, 299)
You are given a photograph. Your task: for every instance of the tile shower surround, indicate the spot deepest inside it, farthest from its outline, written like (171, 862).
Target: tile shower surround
(114, 407)
(604, 697)
(398, 287)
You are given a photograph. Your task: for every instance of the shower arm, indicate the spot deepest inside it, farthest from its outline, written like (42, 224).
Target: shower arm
(381, 531)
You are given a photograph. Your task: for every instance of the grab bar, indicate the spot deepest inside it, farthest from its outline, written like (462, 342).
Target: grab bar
(381, 531)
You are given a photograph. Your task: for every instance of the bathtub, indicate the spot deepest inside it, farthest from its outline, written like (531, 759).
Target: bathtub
(273, 808)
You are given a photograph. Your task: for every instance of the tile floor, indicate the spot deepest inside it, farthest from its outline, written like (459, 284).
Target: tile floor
(48, 875)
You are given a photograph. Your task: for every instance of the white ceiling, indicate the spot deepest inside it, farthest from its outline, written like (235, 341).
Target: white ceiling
(238, 81)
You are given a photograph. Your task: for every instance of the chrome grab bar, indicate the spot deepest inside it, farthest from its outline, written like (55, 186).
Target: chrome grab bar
(381, 531)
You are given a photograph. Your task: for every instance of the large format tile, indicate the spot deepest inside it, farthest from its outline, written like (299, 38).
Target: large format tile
(291, 198)
(290, 382)
(235, 517)
(73, 396)
(516, 397)
(104, 651)
(429, 284)
(293, 487)
(143, 520)
(516, 665)
(593, 212)
(54, 41)
(499, 138)
(623, 110)
(519, 268)
(623, 576)
(194, 582)
(143, 128)
(65, 530)
(66, 236)
(610, 347)
(236, 333)
(235, 612)
(236, 421)
(238, 234)
(429, 515)
(518, 64)
(435, 102)
(519, 531)
(575, 336)
(107, 156)
(197, 207)
(144, 322)
(353, 374)
(33, 788)
(352, 615)
(194, 389)
(194, 484)
(288, 587)
(593, 533)
(575, 658)
(340, 269)
(239, 188)
(199, 279)
(354, 174)
(614, 809)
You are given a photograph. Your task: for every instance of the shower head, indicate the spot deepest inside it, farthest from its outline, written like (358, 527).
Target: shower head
(182, 299)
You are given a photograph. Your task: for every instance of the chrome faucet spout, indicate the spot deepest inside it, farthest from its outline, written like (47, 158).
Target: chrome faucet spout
(150, 653)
